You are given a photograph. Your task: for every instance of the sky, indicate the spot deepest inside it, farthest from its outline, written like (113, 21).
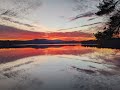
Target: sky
(23, 17)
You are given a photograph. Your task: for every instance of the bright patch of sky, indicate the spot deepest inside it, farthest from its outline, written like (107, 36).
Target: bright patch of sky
(47, 15)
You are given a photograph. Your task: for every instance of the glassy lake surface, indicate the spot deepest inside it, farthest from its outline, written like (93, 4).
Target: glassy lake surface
(60, 68)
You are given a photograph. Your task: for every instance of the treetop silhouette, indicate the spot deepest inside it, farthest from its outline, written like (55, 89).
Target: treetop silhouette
(111, 9)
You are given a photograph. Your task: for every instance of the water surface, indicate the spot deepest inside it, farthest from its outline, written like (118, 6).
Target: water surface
(63, 67)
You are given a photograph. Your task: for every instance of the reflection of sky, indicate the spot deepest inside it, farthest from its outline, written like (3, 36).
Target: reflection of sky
(8, 55)
(45, 15)
(76, 51)
(63, 68)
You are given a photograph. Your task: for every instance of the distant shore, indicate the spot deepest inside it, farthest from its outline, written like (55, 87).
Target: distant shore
(44, 43)
(36, 43)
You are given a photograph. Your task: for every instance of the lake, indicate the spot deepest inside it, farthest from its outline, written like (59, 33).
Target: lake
(59, 67)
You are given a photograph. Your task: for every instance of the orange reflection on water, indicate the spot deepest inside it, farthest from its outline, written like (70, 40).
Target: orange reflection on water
(8, 55)
(12, 54)
(68, 50)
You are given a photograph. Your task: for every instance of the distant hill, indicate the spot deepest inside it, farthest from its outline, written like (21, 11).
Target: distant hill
(35, 41)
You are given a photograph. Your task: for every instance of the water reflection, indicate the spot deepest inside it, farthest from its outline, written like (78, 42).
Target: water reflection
(71, 67)
(11, 54)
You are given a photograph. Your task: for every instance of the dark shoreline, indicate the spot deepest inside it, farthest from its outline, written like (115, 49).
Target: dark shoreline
(36, 43)
(36, 46)
(111, 43)
(44, 43)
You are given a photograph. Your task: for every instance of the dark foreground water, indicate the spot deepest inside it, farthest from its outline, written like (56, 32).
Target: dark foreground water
(59, 68)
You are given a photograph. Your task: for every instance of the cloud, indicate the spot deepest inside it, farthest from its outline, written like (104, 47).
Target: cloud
(16, 22)
(14, 33)
(7, 32)
(70, 34)
(15, 12)
(84, 15)
(18, 8)
(85, 5)
(92, 18)
(96, 23)
(9, 13)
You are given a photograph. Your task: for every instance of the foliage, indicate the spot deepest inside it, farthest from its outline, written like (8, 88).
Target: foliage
(108, 7)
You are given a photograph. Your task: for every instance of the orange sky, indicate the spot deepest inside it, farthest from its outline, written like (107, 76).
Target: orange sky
(10, 33)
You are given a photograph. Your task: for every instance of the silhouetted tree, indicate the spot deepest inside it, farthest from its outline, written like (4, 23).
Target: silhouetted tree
(106, 7)
(109, 8)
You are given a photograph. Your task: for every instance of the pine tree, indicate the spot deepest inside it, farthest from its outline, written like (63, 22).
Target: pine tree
(109, 8)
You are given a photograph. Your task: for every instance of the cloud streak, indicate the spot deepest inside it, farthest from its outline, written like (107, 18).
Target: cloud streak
(16, 22)
(84, 15)
(8, 33)
(11, 11)
(18, 8)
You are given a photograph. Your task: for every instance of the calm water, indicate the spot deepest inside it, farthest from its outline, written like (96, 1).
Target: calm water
(59, 68)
